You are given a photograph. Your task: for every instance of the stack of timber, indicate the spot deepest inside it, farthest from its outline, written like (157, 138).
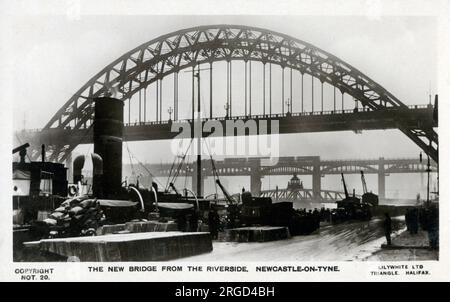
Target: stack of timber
(150, 246)
(138, 227)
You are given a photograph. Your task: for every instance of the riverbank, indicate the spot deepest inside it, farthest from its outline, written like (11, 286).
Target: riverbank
(406, 247)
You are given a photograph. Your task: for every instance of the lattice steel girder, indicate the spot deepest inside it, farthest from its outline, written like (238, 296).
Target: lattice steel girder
(302, 167)
(175, 51)
(303, 194)
(355, 121)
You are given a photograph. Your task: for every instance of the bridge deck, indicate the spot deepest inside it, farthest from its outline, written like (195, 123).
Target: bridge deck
(415, 117)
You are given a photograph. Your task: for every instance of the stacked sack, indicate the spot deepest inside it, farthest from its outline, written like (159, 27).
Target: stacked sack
(77, 216)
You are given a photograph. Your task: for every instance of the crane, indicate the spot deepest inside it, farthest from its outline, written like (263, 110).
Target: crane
(363, 180)
(225, 192)
(345, 187)
(368, 197)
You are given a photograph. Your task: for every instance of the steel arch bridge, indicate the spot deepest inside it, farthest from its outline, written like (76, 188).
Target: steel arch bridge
(187, 48)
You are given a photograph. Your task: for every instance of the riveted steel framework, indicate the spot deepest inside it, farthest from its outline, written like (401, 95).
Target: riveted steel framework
(300, 166)
(179, 50)
(304, 194)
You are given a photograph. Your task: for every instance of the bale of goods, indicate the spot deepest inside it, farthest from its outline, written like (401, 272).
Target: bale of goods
(75, 217)
(56, 215)
(50, 221)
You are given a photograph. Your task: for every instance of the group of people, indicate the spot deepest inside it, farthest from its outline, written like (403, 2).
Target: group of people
(427, 218)
(214, 223)
(412, 220)
(310, 218)
(188, 222)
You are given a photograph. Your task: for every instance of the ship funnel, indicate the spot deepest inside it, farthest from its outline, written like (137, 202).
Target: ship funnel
(108, 132)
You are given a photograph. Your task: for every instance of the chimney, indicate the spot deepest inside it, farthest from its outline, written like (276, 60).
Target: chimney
(108, 131)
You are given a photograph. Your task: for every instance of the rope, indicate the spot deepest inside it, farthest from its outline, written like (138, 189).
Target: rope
(170, 173)
(146, 169)
(185, 179)
(215, 174)
(180, 165)
(133, 172)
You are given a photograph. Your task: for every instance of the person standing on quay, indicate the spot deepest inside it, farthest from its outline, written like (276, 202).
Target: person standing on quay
(387, 228)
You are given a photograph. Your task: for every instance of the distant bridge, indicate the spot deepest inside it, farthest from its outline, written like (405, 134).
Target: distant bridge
(256, 168)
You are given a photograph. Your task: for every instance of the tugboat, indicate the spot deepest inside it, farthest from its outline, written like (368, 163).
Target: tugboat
(115, 216)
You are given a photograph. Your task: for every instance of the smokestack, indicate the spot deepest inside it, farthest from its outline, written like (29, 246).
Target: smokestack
(108, 131)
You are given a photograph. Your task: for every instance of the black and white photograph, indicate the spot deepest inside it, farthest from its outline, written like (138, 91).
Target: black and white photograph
(233, 141)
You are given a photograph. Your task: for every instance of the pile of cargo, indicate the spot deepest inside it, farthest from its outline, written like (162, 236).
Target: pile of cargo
(75, 217)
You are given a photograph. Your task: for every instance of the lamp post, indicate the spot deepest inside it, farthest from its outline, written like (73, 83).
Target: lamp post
(288, 104)
(226, 107)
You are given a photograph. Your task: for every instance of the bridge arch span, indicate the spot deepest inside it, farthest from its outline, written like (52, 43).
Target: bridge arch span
(286, 170)
(346, 168)
(170, 53)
